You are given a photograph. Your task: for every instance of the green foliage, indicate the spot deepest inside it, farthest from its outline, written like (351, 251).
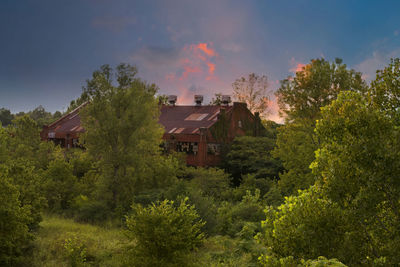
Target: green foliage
(123, 135)
(216, 100)
(304, 227)
(75, 251)
(42, 117)
(212, 182)
(300, 99)
(233, 216)
(59, 185)
(103, 246)
(164, 234)
(28, 182)
(5, 117)
(269, 190)
(26, 138)
(315, 86)
(219, 251)
(14, 220)
(88, 210)
(385, 89)
(295, 147)
(252, 155)
(271, 261)
(358, 167)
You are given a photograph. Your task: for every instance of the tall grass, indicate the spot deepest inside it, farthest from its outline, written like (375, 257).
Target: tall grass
(103, 246)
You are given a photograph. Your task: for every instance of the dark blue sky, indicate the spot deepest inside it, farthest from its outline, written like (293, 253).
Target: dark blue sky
(49, 48)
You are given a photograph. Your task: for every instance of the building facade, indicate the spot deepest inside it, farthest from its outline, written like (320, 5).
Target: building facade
(200, 131)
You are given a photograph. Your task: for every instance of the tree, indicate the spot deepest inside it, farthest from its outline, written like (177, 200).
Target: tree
(216, 100)
(60, 185)
(83, 98)
(14, 219)
(164, 233)
(315, 86)
(358, 167)
(253, 91)
(252, 155)
(41, 116)
(123, 134)
(304, 227)
(5, 117)
(300, 99)
(385, 89)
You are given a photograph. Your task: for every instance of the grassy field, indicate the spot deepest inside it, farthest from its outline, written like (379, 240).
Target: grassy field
(63, 242)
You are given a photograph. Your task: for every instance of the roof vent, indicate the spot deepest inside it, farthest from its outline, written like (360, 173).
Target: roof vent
(198, 99)
(172, 99)
(225, 100)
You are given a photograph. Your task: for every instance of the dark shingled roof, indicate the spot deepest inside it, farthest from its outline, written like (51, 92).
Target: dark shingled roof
(188, 119)
(70, 123)
(175, 119)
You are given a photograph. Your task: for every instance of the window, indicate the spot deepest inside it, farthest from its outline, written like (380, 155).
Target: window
(196, 117)
(214, 149)
(188, 147)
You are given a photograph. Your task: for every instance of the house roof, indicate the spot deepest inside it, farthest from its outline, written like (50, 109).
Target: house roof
(188, 119)
(67, 124)
(175, 119)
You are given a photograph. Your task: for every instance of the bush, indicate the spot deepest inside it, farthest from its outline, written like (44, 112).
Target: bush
(89, 211)
(232, 217)
(305, 227)
(164, 234)
(14, 219)
(60, 185)
(75, 251)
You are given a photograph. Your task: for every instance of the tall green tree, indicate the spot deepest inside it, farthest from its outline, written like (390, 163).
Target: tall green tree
(252, 155)
(358, 167)
(384, 92)
(14, 219)
(5, 117)
(123, 134)
(300, 99)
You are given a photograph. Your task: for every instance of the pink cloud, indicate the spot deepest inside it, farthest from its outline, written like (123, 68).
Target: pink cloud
(195, 60)
(188, 70)
(295, 65)
(208, 51)
(211, 67)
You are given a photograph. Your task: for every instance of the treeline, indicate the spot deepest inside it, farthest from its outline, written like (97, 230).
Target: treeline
(39, 115)
(322, 189)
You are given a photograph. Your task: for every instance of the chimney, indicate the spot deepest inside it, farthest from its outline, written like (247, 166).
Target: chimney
(172, 99)
(198, 99)
(225, 100)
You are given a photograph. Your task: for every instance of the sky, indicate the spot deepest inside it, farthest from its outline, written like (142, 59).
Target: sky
(49, 48)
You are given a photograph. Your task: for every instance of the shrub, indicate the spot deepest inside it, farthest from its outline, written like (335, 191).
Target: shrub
(14, 219)
(164, 234)
(60, 185)
(305, 227)
(75, 251)
(232, 217)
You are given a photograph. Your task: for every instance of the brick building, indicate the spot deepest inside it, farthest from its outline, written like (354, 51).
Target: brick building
(201, 131)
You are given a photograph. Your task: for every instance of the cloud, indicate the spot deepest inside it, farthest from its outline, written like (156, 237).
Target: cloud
(232, 47)
(273, 109)
(378, 60)
(295, 66)
(190, 66)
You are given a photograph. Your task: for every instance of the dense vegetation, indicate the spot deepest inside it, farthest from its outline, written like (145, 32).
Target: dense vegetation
(321, 190)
